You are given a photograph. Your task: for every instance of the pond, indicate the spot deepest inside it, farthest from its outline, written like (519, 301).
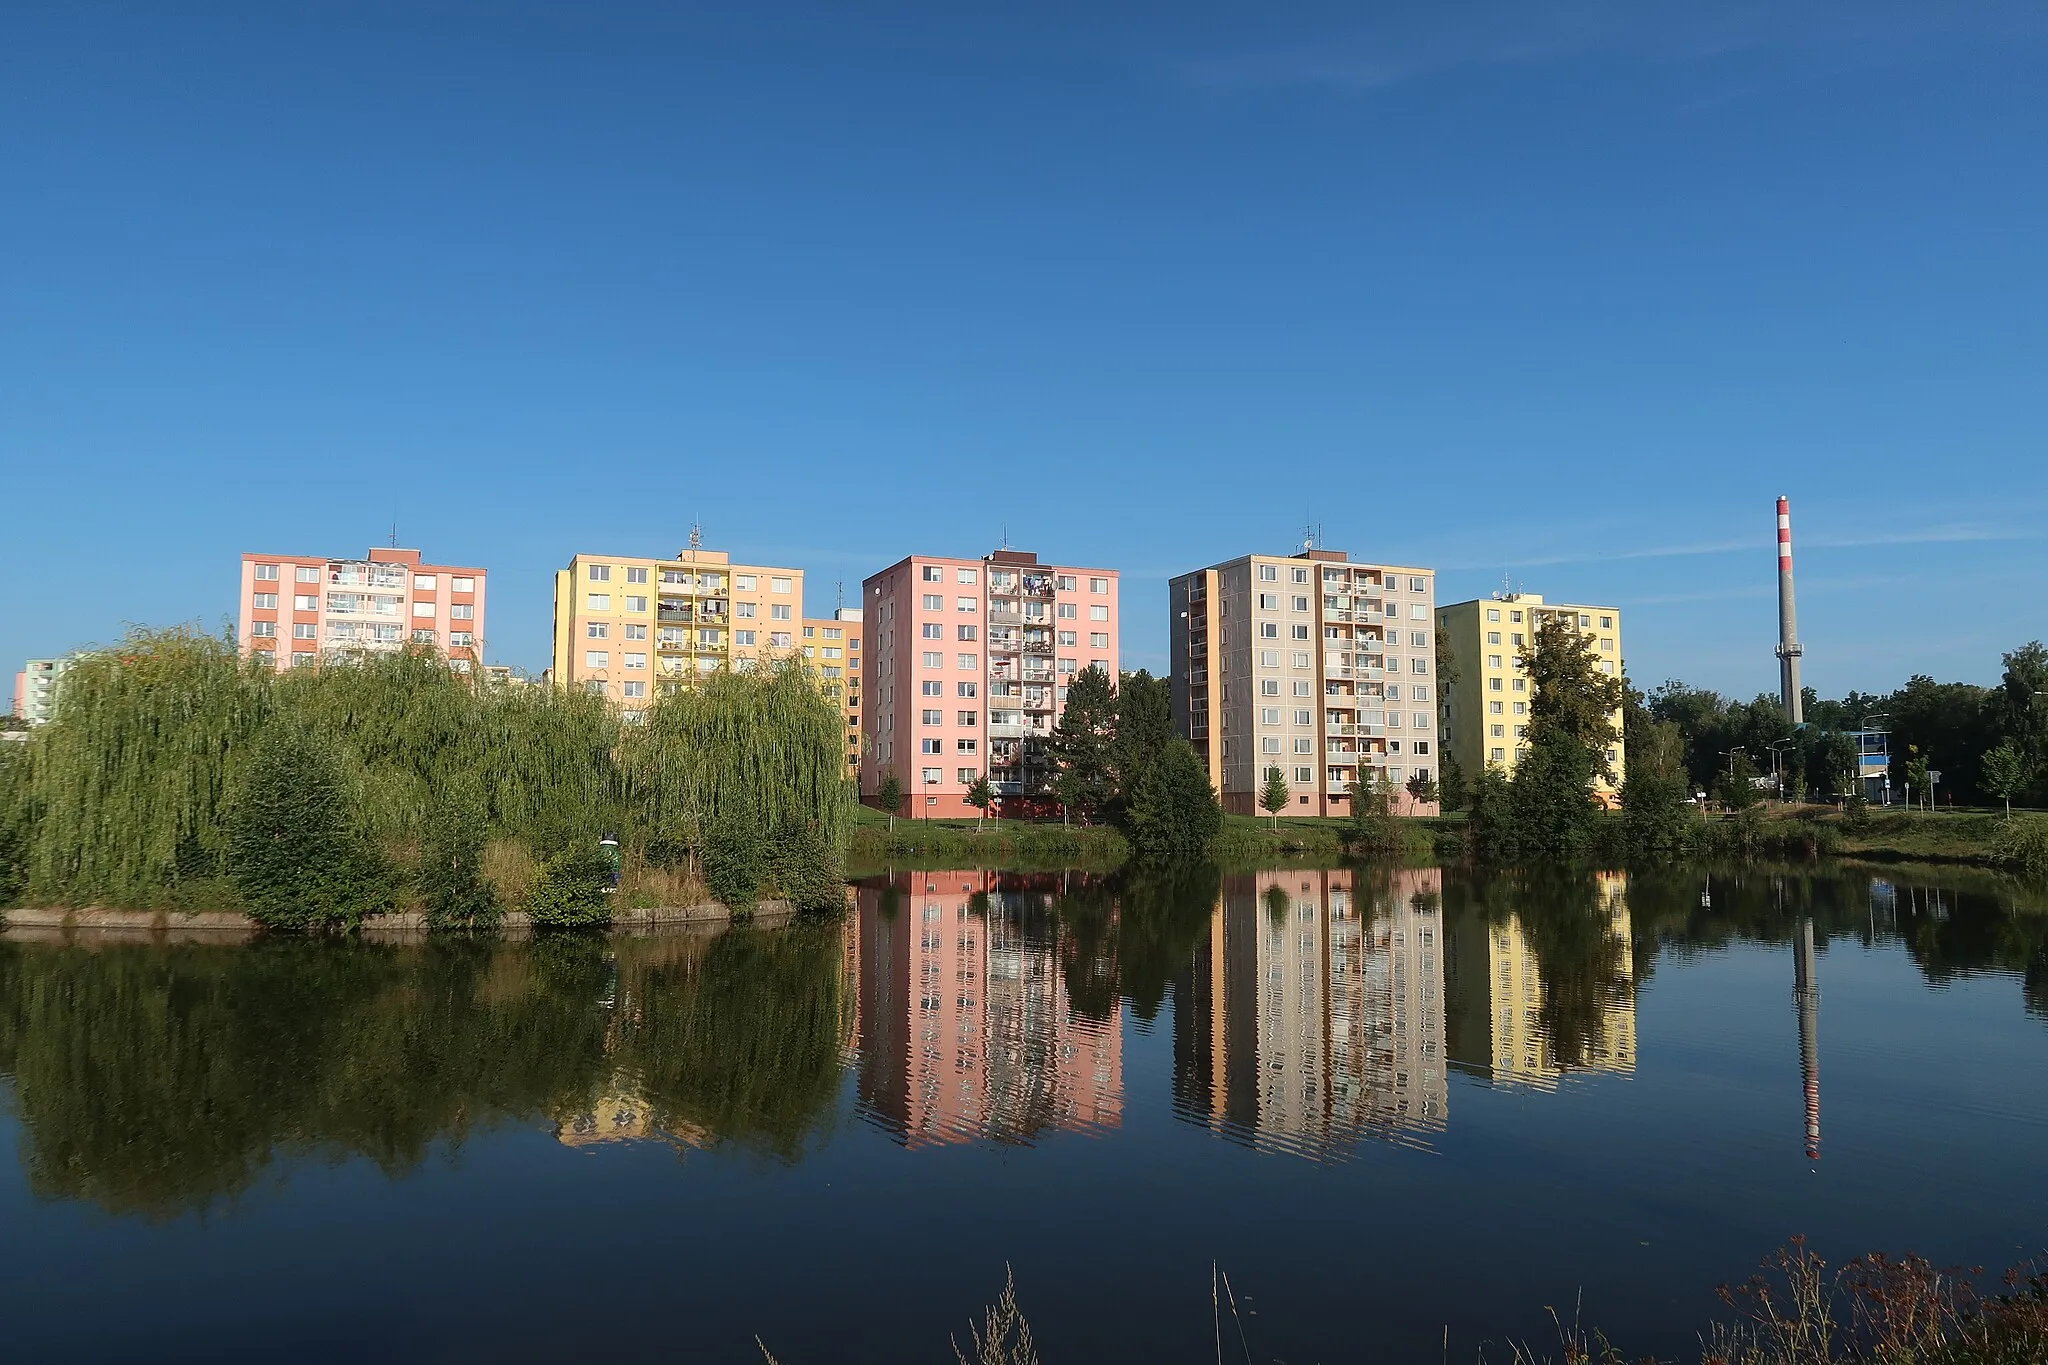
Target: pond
(1406, 1113)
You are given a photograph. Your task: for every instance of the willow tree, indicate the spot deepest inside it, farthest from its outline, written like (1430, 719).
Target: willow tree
(130, 779)
(760, 747)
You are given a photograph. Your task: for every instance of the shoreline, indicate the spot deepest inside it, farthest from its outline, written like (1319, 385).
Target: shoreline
(60, 923)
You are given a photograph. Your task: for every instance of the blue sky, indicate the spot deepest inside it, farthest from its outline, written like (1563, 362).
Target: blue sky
(1565, 293)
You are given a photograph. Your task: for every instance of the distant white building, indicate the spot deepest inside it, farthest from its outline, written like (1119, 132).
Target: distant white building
(36, 687)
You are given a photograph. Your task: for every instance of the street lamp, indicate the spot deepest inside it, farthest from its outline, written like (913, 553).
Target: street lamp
(1777, 771)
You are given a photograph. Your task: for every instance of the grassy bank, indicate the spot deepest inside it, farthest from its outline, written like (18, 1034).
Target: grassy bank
(1017, 844)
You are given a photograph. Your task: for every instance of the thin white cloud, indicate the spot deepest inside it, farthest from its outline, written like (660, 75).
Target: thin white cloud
(1952, 534)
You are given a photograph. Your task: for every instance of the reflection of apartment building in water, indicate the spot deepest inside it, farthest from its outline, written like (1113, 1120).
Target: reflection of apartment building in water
(1311, 664)
(832, 647)
(294, 608)
(1314, 1016)
(968, 666)
(631, 628)
(965, 1030)
(1496, 997)
(1486, 714)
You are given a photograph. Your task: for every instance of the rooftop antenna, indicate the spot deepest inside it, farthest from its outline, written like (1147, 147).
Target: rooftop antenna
(696, 539)
(839, 594)
(394, 528)
(1506, 590)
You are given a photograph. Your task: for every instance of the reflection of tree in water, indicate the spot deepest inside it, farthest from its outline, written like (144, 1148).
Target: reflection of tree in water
(160, 1081)
(1584, 964)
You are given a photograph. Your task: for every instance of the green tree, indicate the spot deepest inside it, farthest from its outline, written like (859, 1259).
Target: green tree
(1918, 775)
(1831, 759)
(2022, 703)
(806, 869)
(2007, 771)
(1083, 743)
(1655, 812)
(1555, 810)
(1447, 670)
(1453, 787)
(1144, 727)
(1570, 695)
(1492, 818)
(450, 879)
(294, 848)
(1422, 787)
(890, 798)
(569, 890)
(1174, 813)
(981, 796)
(1274, 797)
(1373, 828)
(1737, 787)
(735, 862)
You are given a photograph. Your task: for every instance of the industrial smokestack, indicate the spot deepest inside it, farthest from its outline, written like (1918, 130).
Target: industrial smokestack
(1789, 648)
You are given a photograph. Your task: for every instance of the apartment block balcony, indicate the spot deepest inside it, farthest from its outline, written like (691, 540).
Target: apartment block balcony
(1335, 727)
(1006, 730)
(1038, 584)
(1038, 647)
(1038, 675)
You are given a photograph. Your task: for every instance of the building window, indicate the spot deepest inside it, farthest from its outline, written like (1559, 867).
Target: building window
(597, 630)
(1098, 586)
(1269, 658)
(1521, 684)
(1269, 687)
(934, 659)
(1269, 630)
(1067, 611)
(266, 573)
(932, 717)
(1270, 744)
(932, 630)
(600, 573)
(307, 574)
(636, 632)
(778, 611)
(933, 602)
(970, 633)
(970, 718)
(1269, 601)
(1068, 637)
(423, 582)
(965, 746)
(596, 658)
(931, 746)
(1304, 775)
(967, 576)
(423, 609)
(1069, 666)
(305, 630)
(1098, 640)
(932, 573)
(778, 639)
(301, 658)
(746, 582)
(1298, 632)
(1268, 573)
(1098, 613)
(462, 638)
(306, 601)
(744, 637)
(969, 662)
(636, 661)
(636, 604)
(743, 610)
(1269, 715)
(264, 601)
(636, 689)
(931, 776)
(600, 601)
(1418, 585)
(1497, 755)
(263, 630)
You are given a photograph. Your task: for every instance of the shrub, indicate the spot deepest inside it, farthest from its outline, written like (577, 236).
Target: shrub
(294, 850)
(735, 862)
(1174, 813)
(2022, 845)
(806, 869)
(570, 890)
(451, 877)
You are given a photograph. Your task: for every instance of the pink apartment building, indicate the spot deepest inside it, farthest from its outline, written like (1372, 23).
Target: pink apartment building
(296, 607)
(967, 671)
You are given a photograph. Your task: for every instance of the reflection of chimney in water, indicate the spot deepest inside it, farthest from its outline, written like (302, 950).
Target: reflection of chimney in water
(1806, 995)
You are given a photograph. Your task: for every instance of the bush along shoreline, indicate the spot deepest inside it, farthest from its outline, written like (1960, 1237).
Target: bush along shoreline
(179, 777)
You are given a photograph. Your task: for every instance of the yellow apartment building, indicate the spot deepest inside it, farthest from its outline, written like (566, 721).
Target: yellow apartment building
(632, 629)
(1485, 714)
(832, 648)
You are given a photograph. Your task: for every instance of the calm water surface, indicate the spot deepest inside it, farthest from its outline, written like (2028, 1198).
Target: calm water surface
(1387, 1105)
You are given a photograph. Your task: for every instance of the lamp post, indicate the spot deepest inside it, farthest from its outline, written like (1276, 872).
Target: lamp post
(1777, 769)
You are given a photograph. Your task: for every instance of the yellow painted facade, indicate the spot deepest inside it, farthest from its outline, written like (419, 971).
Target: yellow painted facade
(833, 648)
(1485, 715)
(632, 629)
(1521, 1049)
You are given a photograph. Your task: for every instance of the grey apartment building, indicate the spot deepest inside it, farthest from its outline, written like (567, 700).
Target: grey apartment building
(1321, 667)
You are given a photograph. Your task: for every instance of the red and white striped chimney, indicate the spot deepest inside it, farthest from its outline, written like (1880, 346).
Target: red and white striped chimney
(1789, 649)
